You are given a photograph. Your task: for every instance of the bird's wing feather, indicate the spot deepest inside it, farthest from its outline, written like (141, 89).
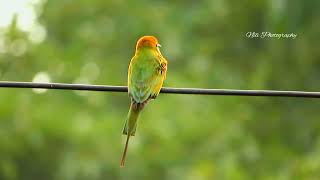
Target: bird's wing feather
(145, 80)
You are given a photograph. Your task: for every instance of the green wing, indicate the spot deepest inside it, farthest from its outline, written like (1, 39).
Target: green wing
(144, 78)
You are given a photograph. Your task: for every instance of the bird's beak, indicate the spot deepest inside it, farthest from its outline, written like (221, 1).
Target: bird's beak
(158, 45)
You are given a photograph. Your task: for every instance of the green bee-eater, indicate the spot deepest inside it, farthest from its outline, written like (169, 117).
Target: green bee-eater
(146, 73)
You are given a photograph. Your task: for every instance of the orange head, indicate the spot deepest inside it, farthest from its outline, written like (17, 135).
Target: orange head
(149, 42)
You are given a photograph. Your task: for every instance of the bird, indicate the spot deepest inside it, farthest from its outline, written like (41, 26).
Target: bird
(146, 73)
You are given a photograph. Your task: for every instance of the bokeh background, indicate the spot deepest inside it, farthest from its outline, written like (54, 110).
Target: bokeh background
(76, 135)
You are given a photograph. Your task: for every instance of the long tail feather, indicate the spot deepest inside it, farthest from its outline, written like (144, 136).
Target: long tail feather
(130, 127)
(123, 159)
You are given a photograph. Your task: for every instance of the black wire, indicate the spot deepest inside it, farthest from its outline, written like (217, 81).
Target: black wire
(232, 92)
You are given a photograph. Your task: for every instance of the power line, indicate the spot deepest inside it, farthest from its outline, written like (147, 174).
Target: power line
(199, 91)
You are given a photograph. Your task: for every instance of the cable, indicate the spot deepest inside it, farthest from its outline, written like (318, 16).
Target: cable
(199, 91)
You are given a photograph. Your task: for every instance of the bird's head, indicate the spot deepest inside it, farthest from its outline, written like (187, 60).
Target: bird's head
(148, 42)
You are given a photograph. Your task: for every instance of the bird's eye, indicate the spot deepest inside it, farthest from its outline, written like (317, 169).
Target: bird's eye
(158, 45)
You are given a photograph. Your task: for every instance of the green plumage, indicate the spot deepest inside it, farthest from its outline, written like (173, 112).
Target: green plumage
(143, 82)
(131, 122)
(146, 73)
(143, 75)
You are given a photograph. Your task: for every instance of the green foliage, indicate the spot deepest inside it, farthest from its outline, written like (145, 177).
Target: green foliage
(77, 135)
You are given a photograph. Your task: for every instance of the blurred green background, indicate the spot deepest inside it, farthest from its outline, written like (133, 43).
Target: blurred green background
(75, 135)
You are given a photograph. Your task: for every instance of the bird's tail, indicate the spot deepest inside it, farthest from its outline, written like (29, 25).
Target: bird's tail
(130, 126)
